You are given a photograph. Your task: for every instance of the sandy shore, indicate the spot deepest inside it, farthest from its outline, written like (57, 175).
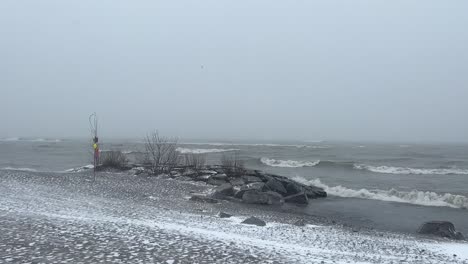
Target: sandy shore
(66, 218)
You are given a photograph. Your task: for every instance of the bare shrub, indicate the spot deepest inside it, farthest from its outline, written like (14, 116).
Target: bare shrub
(161, 153)
(232, 165)
(195, 161)
(113, 159)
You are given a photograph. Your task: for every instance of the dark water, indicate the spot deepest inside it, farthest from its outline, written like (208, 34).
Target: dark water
(389, 186)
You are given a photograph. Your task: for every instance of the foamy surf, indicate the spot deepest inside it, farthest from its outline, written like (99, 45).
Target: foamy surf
(81, 169)
(392, 195)
(402, 170)
(288, 163)
(202, 151)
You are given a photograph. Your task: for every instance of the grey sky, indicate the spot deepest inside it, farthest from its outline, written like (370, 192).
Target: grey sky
(348, 70)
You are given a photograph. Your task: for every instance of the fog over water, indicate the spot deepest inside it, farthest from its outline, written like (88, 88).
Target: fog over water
(302, 70)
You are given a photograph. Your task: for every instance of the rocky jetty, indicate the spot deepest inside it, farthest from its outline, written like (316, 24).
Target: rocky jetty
(250, 186)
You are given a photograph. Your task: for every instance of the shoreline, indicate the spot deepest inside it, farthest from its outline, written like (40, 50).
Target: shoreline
(149, 204)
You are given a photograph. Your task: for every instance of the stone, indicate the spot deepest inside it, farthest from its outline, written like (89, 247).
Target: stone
(189, 172)
(251, 179)
(210, 172)
(223, 177)
(441, 229)
(224, 215)
(251, 173)
(313, 192)
(223, 191)
(276, 186)
(257, 197)
(216, 182)
(254, 221)
(259, 186)
(202, 199)
(237, 181)
(204, 178)
(300, 198)
(293, 188)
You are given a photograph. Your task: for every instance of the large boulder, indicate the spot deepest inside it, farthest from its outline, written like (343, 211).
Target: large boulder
(276, 186)
(258, 186)
(313, 192)
(216, 182)
(254, 221)
(258, 197)
(223, 191)
(204, 178)
(222, 177)
(251, 179)
(300, 198)
(293, 188)
(237, 181)
(440, 228)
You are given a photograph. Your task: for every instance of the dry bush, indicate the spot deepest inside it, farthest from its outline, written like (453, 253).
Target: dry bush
(161, 153)
(232, 165)
(113, 159)
(195, 161)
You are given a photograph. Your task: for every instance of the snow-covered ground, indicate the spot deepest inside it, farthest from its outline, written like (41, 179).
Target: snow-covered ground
(67, 219)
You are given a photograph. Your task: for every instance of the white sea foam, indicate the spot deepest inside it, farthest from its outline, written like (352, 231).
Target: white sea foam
(392, 195)
(80, 169)
(402, 170)
(19, 169)
(202, 151)
(288, 163)
(219, 144)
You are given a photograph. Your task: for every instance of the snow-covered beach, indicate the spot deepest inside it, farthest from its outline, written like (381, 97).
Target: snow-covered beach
(120, 218)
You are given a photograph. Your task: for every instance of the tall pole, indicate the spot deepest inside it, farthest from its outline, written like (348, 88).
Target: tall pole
(93, 124)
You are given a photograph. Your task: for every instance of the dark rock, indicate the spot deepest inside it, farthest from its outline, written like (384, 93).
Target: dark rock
(216, 182)
(223, 177)
(257, 197)
(210, 172)
(204, 178)
(300, 198)
(293, 188)
(251, 173)
(258, 186)
(237, 182)
(251, 179)
(189, 172)
(223, 215)
(440, 228)
(223, 191)
(254, 221)
(276, 186)
(202, 199)
(313, 192)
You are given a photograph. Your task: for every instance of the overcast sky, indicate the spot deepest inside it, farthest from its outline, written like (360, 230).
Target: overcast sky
(262, 69)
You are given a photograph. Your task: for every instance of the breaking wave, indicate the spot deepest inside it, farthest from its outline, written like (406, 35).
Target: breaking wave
(219, 144)
(288, 163)
(392, 195)
(202, 151)
(402, 170)
(80, 169)
(371, 168)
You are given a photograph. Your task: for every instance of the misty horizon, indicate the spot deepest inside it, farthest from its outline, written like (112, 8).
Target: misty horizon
(269, 70)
